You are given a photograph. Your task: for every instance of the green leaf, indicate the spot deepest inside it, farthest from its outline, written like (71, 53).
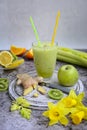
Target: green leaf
(22, 105)
(26, 113)
(14, 107)
(23, 102)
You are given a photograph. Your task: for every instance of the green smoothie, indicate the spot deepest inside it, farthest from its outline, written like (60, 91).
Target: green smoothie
(45, 59)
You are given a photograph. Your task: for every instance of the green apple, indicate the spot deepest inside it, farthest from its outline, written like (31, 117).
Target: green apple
(67, 75)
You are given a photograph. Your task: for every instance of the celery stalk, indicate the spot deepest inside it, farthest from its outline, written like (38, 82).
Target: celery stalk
(72, 56)
(77, 52)
(69, 60)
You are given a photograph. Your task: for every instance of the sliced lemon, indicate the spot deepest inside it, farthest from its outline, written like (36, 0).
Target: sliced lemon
(15, 64)
(5, 58)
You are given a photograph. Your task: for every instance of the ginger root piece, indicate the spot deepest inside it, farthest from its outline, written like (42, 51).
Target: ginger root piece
(41, 90)
(27, 90)
(29, 83)
(35, 95)
(26, 80)
(18, 82)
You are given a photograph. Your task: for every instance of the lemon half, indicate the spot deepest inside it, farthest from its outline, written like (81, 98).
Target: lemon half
(5, 58)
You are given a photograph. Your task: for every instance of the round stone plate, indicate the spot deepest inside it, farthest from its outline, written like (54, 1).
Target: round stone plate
(42, 100)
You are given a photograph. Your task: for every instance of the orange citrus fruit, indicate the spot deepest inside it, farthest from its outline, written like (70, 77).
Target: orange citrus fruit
(5, 58)
(29, 54)
(17, 50)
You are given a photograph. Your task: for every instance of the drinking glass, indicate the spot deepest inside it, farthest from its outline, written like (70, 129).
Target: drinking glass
(45, 58)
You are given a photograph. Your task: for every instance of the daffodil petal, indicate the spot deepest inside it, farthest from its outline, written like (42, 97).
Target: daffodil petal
(73, 110)
(60, 103)
(63, 109)
(80, 96)
(50, 105)
(46, 113)
(72, 94)
(83, 108)
(52, 122)
(63, 120)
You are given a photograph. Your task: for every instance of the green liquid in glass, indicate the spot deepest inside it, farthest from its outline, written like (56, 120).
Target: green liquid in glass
(45, 59)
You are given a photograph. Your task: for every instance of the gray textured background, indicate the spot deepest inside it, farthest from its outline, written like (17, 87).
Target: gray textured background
(16, 29)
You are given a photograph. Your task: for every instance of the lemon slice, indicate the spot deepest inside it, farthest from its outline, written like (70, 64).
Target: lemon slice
(15, 64)
(5, 58)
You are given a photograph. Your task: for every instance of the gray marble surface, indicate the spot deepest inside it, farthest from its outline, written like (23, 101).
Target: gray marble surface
(13, 121)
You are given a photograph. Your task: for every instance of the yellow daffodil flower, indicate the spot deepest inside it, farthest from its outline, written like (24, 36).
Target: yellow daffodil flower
(56, 114)
(77, 117)
(72, 101)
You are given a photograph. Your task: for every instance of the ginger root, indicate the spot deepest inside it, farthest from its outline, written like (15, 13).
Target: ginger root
(27, 82)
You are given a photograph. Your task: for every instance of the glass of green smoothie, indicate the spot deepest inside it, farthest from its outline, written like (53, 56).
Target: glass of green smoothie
(45, 58)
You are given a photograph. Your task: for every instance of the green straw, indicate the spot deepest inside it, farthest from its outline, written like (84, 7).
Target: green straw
(35, 31)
